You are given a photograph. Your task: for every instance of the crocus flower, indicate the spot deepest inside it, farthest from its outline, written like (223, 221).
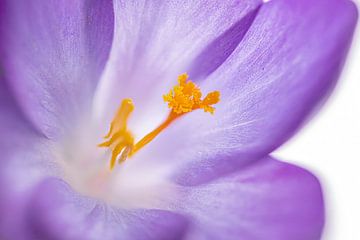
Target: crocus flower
(70, 70)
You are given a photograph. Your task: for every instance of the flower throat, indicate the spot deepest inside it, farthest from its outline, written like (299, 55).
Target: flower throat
(183, 98)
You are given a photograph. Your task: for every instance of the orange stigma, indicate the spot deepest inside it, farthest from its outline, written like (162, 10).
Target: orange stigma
(183, 98)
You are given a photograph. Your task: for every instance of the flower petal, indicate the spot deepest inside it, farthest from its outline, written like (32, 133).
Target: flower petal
(267, 200)
(21, 164)
(282, 69)
(56, 212)
(53, 53)
(154, 41)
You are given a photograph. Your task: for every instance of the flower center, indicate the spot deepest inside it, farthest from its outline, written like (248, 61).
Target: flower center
(183, 98)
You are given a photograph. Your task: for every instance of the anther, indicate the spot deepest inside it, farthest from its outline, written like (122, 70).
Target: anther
(182, 98)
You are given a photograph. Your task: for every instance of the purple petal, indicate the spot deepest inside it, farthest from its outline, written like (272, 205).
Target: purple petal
(156, 40)
(34, 208)
(21, 163)
(56, 212)
(267, 200)
(279, 73)
(53, 53)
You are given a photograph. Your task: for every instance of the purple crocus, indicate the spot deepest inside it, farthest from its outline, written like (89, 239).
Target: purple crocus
(66, 66)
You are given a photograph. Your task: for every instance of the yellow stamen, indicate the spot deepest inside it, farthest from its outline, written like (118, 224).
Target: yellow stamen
(186, 97)
(183, 98)
(150, 136)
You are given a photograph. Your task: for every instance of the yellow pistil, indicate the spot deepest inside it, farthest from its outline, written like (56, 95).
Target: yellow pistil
(183, 98)
(119, 139)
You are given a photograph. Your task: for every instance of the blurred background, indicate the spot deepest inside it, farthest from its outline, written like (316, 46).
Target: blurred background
(329, 146)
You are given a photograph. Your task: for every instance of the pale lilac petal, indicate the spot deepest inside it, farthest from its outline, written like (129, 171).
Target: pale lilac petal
(34, 208)
(268, 200)
(21, 162)
(155, 41)
(282, 69)
(56, 212)
(52, 54)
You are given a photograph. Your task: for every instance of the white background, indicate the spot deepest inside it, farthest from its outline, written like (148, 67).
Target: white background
(329, 146)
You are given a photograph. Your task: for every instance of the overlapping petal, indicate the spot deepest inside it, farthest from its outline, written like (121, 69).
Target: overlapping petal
(268, 200)
(22, 164)
(33, 206)
(52, 54)
(56, 211)
(154, 41)
(279, 73)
